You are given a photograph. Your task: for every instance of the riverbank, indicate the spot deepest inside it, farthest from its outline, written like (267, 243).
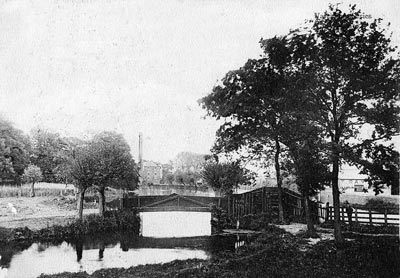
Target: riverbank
(113, 221)
(40, 212)
(276, 253)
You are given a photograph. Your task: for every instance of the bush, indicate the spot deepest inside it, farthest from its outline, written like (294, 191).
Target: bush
(256, 222)
(220, 219)
(378, 205)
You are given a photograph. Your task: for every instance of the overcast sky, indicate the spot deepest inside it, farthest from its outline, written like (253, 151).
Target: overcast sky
(81, 66)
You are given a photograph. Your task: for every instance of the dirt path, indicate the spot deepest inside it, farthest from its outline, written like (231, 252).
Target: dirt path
(36, 213)
(299, 228)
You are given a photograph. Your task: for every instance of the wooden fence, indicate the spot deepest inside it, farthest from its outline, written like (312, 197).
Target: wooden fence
(293, 203)
(265, 200)
(261, 200)
(360, 216)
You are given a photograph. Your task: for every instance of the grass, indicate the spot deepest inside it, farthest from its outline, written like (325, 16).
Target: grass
(113, 221)
(41, 190)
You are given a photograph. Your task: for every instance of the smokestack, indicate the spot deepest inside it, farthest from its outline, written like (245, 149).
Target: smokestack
(140, 150)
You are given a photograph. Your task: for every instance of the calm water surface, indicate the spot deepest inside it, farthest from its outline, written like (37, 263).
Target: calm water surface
(166, 236)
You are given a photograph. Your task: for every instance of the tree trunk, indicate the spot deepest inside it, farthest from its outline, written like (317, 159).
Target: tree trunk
(101, 250)
(336, 200)
(279, 182)
(310, 225)
(79, 250)
(81, 196)
(102, 201)
(33, 189)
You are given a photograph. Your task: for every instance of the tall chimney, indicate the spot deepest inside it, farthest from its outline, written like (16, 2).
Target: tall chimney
(140, 150)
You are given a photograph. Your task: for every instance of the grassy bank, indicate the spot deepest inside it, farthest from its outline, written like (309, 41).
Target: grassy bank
(113, 221)
(278, 254)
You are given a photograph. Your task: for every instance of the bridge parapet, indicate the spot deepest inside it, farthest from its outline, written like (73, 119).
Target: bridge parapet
(165, 190)
(174, 202)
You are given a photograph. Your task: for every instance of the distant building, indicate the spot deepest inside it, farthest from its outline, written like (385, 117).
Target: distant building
(151, 172)
(350, 178)
(188, 162)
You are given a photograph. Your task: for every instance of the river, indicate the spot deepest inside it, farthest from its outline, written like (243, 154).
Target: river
(166, 236)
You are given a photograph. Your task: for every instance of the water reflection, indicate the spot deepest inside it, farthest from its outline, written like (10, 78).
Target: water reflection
(40, 258)
(175, 224)
(112, 250)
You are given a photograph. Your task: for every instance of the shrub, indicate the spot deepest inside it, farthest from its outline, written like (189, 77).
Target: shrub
(220, 219)
(380, 205)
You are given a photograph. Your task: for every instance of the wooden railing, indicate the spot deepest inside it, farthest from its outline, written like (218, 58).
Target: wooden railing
(360, 216)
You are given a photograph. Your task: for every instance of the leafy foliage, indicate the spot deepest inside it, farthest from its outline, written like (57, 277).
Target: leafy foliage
(32, 174)
(381, 164)
(47, 150)
(226, 176)
(114, 165)
(14, 152)
(348, 64)
(337, 73)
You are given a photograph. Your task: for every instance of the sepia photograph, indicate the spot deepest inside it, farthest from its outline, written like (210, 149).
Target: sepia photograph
(199, 138)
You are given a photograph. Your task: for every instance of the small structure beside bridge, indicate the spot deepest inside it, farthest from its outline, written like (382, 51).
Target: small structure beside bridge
(260, 200)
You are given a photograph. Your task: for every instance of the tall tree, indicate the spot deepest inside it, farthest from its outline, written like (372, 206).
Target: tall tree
(114, 166)
(32, 174)
(82, 170)
(46, 148)
(309, 162)
(352, 75)
(250, 102)
(62, 170)
(14, 152)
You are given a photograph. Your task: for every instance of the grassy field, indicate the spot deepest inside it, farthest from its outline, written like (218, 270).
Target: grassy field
(54, 204)
(358, 197)
(41, 189)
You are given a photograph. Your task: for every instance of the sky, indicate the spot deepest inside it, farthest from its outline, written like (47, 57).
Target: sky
(78, 67)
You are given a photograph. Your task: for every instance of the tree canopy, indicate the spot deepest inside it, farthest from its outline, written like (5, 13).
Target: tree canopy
(14, 152)
(113, 165)
(226, 176)
(32, 174)
(338, 73)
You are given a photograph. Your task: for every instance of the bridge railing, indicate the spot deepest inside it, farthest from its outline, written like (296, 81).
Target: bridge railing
(144, 202)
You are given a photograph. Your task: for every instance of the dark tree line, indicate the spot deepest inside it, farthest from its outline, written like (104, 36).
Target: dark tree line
(324, 94)
(101, 162)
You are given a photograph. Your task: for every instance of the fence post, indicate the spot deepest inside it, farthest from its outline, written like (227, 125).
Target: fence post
(263, 200)
(356, 215)
(370, 216)
(343, 215)
(327, 211)
(229, 205)
(385, 216)
(349, 211)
